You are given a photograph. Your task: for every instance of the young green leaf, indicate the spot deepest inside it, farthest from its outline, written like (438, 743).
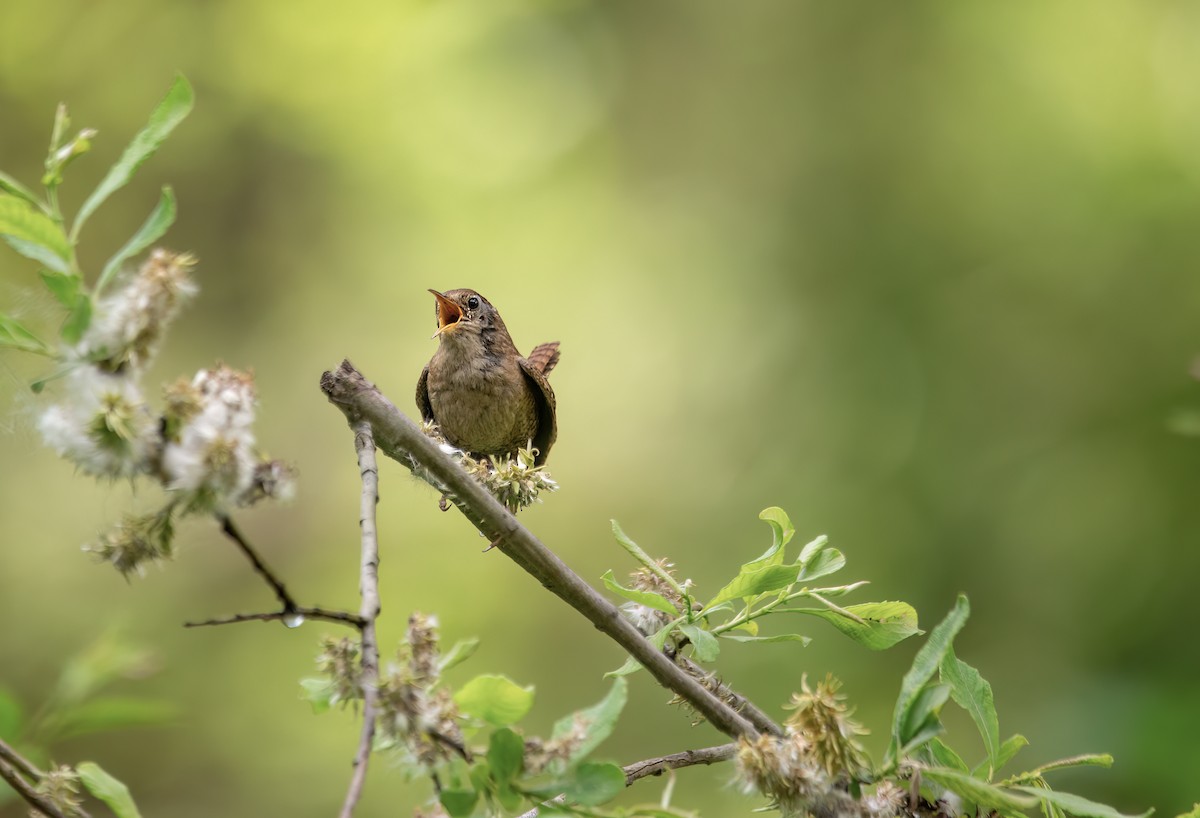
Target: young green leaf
(1008, 749)
(648, 598)
(496, 699)
(813, 548)
(1194, 812)
(825, 562)
(33, 229)
(174, 107)
(944, 756)
(924, 715)
(782, 532)
(458, 654)
(1077, 805)
(1087, 760)
(107, 789)
(782, 637)
(36, 252)
(160, 219)
(318, 693)
(989, 796)
(925, 664)
(63, 286)
(594, 783)
(12, 187)
(15, 336)
(882, 624)
(705, 644)
(597, 722)
(505, 755)
(458, 803)
(973, 693)
(756, 578)
(78, 320)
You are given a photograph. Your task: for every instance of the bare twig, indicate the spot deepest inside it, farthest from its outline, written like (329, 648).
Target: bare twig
(364, 444)
(290, 610)
(401, 439)
(301, 611)
(730, 696)
(281, 593)
(22, 764)
(656, 766)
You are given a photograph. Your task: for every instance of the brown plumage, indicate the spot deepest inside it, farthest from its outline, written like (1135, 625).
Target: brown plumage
(484, 396)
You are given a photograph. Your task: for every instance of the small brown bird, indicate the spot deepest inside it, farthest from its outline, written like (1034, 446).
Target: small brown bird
(486, 398)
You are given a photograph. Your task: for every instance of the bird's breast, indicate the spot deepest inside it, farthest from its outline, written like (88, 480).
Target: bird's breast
(482, 406)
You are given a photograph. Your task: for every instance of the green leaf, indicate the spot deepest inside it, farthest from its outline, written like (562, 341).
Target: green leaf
(944, 756)
(42, 255)
(813, 548)
(107, 713)
(1194, 812)
(925, 664)
(11, 717)
(63, 286)
(705, 645)
(505, 755)
(782, 637)
(883, 623)
(160, 219)
(15, 336)
(1008, 749)
(458, 803)
(317, 692)
(1087, 760)
(782, 532)
(170, 112)
(595, 723)
(1078, 805)
(973, 693)
(32, 228)
(108, 789)
(594, 783)
(14, 188)
(989, 796)
(461, 652)
(104, 661)
(648, 598)
(754, 579)
(497, 700)
(78, 320)
(923, 714)
(633, 665)
(826, 561)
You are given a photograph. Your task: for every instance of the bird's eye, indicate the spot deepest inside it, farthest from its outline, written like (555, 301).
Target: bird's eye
(473, 302)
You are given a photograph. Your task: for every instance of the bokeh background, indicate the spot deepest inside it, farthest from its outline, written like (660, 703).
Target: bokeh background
(924, 274)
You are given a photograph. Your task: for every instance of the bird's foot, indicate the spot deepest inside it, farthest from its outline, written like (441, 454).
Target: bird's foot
(444, 503)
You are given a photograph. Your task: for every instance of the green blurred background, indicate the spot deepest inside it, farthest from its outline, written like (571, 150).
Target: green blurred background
(924, 274)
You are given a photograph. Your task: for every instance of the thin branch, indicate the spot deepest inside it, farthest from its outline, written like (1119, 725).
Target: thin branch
(656, 766)
(10, 761)
(9, 754)
(291, 611)
(364, 444)
(281, 593)
(731, 697)
(401, 439)
(340, 617)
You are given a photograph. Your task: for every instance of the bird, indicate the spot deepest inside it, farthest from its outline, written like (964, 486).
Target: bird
(485, 397)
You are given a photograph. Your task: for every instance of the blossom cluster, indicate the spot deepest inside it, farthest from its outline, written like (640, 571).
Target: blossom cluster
(200, 447)
(514, 481)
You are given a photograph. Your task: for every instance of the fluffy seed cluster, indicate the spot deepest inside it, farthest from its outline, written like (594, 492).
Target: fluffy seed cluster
(822, 716)
(200, 448)
(554, 754)
(516, 482)
(61, 787)
(805, 771)
(341, 662)
(414, 712)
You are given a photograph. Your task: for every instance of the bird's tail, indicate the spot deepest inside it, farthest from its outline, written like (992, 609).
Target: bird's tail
(544, 357)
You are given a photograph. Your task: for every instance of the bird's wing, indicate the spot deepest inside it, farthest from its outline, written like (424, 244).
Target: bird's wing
(423, 404)
(544, 357)
(543, 397)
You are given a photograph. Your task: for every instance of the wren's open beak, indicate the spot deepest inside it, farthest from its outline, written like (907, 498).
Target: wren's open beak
(448, 313)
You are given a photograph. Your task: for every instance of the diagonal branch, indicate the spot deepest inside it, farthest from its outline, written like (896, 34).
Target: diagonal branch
(14, 769)
(364, 444)
(401, 439)
(260, 567)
